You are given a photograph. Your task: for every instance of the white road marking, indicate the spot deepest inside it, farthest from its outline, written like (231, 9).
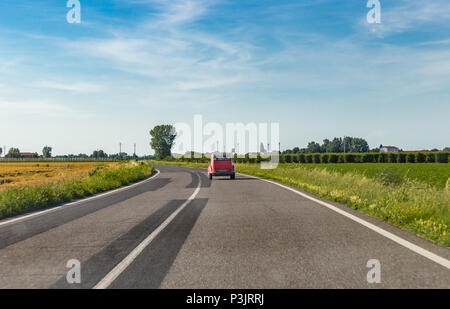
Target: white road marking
(419, 250)
(38, 213)
(116, 271)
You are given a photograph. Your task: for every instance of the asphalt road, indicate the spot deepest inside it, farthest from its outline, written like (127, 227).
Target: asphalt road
(181, 230)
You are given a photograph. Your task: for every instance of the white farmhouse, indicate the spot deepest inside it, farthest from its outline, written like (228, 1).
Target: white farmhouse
(389, 149)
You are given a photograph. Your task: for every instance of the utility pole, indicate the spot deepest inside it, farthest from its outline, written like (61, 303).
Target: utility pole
(279, 147)
(134, 149)
(120, 150)
(268, 150)
(217, 146)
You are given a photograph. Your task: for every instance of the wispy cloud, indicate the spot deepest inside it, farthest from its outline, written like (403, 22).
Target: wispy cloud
(40, 108)
(172, 13)
(74, 87)
(436, 42)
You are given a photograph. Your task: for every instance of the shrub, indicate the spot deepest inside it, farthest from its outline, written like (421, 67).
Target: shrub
(376, 157)
(411, 158)
(349, 158)
(442, 157)
(295, 158)
(401, 157)
(316, 158)
(367, 158)
(287, 158)
(333, 158)
(308, 158)
(324, 158)
(393, 157)
(341, 158)
(431, 157)
(258, 158)
(420, 157)
(383, 157)
(301, 158)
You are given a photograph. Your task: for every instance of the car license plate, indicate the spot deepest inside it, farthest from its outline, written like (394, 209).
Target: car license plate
(223, 170)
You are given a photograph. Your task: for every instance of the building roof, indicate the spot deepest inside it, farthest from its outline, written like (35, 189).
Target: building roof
(393, 147)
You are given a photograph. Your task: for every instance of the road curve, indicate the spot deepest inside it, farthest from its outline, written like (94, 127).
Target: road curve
(181, 230)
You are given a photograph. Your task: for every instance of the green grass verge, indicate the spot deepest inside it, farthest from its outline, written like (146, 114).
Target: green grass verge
(421, 207)
(18, 201)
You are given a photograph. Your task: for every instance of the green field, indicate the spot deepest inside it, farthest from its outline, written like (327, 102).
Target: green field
(434, 174)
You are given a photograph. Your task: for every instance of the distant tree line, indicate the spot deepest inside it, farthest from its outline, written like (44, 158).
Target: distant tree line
(336, 145)
(14, 153)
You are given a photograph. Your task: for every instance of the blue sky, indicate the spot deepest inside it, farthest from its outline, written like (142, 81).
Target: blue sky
(316, 67)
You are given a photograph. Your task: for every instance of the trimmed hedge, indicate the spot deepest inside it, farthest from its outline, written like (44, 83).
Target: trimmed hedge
(349, 158)
(316, 158)
(333, 158)
(431, 157)
(410, 158)
(393, 157)
(401, 157)
(301, 158)
(369, 157)
(442, 157)
(383, 157)
(420, 157)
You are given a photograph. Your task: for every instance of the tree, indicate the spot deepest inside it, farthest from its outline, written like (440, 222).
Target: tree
(47, 152)
(296, 150)
(359, 145)
(335, 145)
(13, 153)
(99, 154)
(1, 150)
(163, 137)
(313, 147)
(325, 145)
(102, 154)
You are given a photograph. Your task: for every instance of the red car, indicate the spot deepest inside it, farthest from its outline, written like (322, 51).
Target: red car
(221, 167)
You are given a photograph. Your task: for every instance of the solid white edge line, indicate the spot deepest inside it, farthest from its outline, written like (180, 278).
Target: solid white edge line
(419, 250)
(41, 212)
(119, 268)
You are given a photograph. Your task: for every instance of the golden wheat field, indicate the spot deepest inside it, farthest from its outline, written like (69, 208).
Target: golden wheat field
(19, 174)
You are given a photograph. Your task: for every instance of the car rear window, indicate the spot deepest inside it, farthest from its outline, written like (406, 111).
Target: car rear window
(222, 159)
